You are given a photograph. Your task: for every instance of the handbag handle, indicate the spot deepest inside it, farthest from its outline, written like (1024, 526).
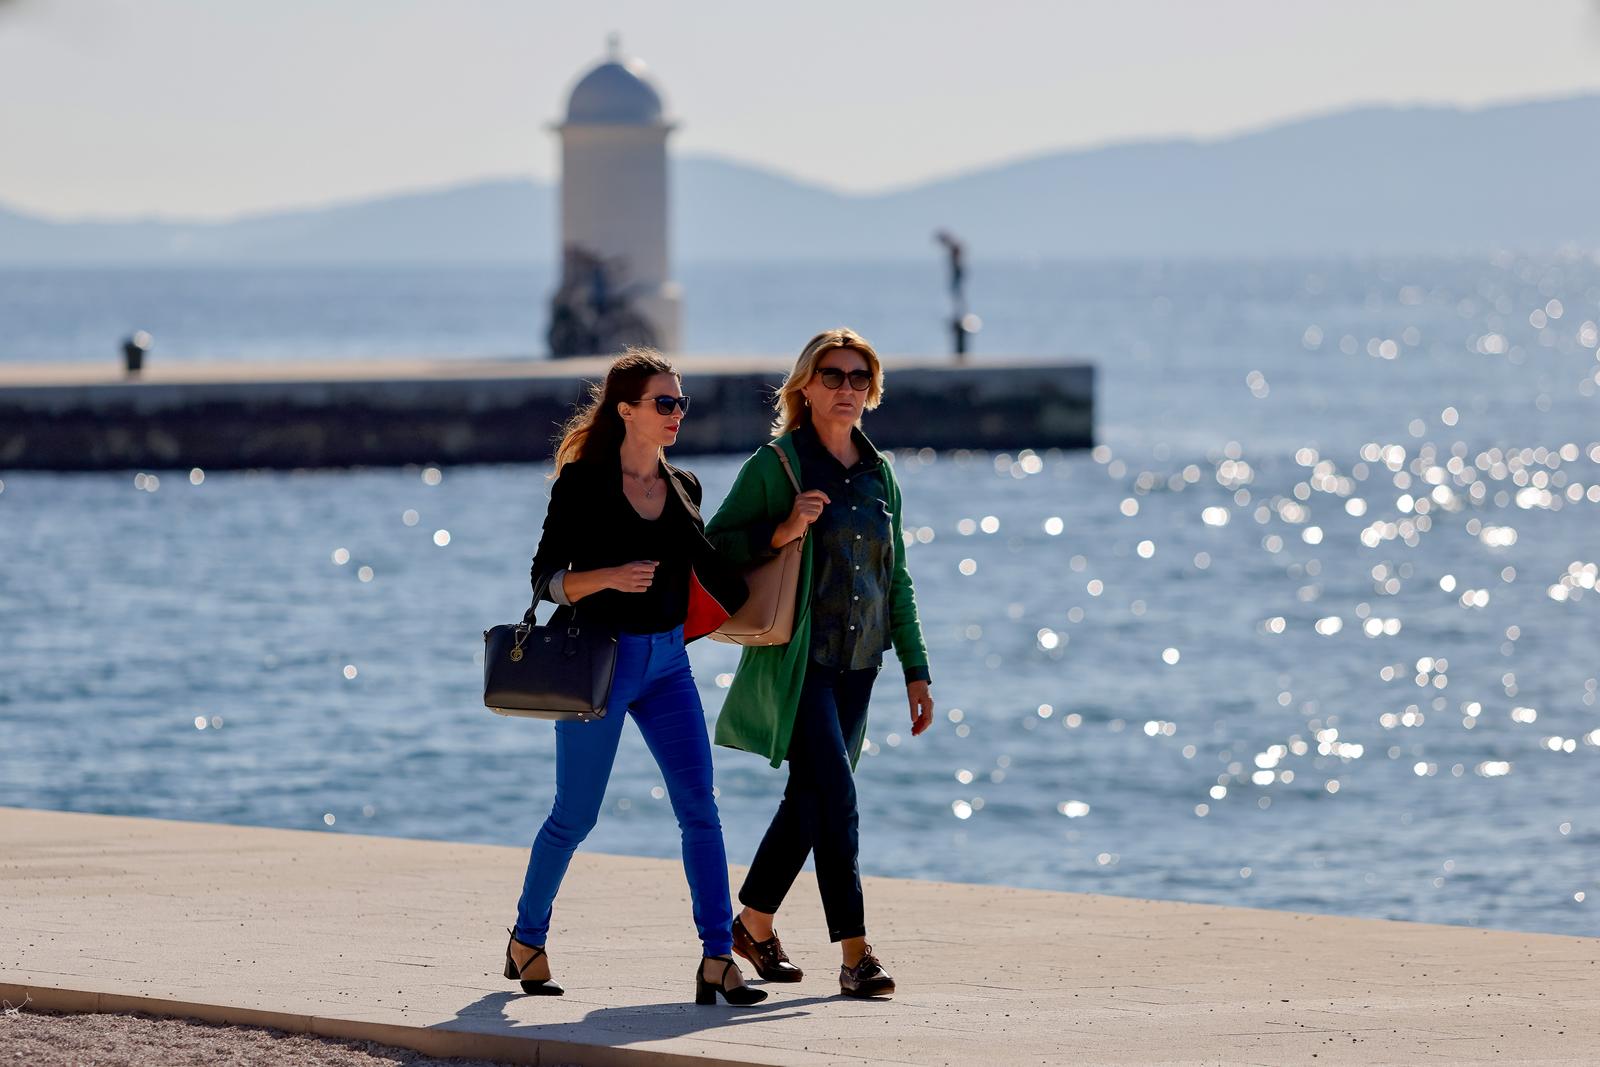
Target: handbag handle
(783, 459)
(530, 616)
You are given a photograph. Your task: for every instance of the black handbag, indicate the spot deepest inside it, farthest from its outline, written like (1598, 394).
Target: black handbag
(561, 670)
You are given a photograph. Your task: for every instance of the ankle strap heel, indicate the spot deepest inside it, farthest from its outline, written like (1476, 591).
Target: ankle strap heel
(534, 987)
(705, 992)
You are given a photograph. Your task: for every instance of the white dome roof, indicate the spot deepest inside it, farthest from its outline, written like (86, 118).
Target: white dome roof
(615, 93)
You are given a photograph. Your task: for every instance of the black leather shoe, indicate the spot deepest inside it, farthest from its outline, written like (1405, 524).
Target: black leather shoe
(866, 979)
(534, 987)
(768, 957)
(706, 992)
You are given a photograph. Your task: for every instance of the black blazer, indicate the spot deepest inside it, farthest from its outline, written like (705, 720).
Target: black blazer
(574, 540)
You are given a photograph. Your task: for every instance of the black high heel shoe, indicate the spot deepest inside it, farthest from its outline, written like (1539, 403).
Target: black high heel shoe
(534, 987)
(706, 992)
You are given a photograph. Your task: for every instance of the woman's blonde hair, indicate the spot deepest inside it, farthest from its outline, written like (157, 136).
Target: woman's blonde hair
(790, 402)
(596, 428)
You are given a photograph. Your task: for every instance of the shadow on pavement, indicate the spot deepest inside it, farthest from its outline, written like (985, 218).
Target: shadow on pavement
(634, 1022)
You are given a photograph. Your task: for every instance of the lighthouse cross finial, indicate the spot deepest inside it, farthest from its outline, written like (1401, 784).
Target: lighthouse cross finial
(614, 45)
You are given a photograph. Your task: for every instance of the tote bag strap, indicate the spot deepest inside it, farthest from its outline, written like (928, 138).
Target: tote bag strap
(783, 458)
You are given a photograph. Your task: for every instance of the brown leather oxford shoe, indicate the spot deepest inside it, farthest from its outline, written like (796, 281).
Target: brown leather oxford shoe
(767, 957)
(866, 979)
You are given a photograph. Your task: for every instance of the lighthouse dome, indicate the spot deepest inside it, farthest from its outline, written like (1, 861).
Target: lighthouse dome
(616, 92)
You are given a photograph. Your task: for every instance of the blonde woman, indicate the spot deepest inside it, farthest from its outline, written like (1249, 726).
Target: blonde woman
(806, 702)
(623, 545)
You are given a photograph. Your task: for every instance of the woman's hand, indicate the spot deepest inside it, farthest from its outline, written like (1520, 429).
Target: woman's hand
(632, 577)
(807, 507)
(629, 578)
(921, 706)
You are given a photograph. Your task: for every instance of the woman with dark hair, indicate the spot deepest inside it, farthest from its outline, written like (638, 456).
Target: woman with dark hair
(807, 701)
(624, 546)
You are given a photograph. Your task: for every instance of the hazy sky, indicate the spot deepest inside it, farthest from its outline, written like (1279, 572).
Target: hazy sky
(210, 108)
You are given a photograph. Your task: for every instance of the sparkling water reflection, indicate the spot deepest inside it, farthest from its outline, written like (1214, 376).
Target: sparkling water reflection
(286, 649)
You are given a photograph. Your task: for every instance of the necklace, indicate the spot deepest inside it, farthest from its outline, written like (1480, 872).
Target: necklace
(654, 479)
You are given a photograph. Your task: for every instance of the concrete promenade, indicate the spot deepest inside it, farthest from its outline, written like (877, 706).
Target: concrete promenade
(401, 942)
(398, 411)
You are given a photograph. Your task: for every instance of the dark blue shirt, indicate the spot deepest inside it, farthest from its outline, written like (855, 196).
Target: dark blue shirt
(852, 554)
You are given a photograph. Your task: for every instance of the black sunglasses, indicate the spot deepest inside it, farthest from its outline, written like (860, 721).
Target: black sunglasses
(833, 377)
(665, 404)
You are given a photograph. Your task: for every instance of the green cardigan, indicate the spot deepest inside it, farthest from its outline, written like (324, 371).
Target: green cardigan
(758, 715)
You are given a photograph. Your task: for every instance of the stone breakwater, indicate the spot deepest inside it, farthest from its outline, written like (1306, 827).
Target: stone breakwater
(395, 412)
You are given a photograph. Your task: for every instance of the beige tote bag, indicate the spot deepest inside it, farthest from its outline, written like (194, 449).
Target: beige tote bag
(767, 617)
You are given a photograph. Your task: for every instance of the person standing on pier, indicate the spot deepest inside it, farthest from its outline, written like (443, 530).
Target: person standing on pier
(624, 540)
(807, 701)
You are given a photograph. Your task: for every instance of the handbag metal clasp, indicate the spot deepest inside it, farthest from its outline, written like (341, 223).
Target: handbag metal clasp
(521, 633)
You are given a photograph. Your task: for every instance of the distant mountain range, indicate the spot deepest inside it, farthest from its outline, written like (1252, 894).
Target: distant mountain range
(1365, 181)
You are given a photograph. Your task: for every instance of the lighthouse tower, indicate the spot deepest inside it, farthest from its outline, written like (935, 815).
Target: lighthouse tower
(614, 205)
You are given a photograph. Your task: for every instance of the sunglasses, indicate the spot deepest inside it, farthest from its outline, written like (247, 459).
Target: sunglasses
(833, 377)
(665, 404)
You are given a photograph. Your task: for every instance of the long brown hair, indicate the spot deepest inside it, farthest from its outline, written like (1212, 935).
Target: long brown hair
(790, 403)
(596, 428)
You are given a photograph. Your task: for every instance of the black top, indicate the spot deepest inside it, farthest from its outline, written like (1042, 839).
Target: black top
(666, 602)
(852, 568)
(590, 524)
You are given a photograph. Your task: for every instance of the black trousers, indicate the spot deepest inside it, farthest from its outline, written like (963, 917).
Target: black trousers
(818, 812)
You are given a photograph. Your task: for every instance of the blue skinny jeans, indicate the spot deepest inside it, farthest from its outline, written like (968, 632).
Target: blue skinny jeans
(653, 684)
